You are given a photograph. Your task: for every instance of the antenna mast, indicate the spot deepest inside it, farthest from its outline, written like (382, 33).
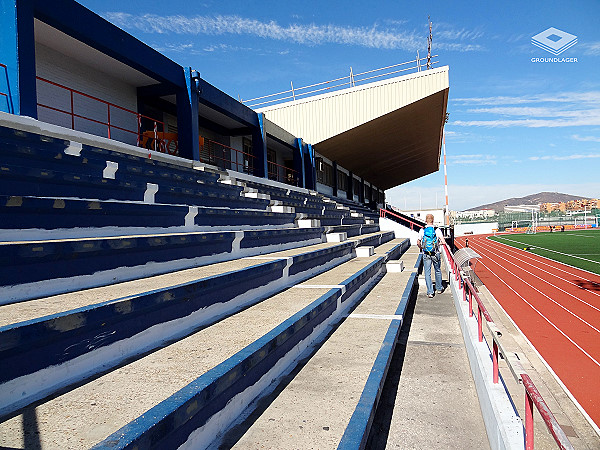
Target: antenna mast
(429, 41)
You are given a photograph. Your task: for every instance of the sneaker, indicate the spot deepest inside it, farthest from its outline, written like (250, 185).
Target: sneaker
(430, 295)
(440, 292)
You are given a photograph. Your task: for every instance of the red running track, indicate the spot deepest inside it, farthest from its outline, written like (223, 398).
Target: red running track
(556, 306)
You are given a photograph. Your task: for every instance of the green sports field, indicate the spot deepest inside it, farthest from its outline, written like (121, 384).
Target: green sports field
(579, 248)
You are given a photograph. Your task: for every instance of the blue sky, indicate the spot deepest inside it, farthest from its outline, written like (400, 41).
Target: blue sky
(516, 127)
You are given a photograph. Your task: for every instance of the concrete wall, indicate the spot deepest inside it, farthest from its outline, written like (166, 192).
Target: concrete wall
(74, 74)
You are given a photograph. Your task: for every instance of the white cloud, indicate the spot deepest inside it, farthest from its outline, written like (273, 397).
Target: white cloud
(586, 138)
(308, 34)
(476, 160)
(563, 109)
(590, 48)
(590, 97)
(564, 157)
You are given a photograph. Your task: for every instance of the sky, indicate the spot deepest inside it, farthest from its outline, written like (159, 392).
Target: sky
(516, 127)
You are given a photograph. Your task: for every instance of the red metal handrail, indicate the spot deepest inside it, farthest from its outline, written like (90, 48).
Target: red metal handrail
(534, 397)
(157, 143)
(532, 394)
(208, 155)
(3, 93)
(384, 212)
(290, 176)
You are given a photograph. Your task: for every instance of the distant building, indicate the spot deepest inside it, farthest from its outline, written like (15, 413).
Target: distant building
(471, 215)
(573, 205)
(438, 215)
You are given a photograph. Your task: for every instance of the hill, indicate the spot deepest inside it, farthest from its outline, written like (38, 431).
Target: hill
(533, 199)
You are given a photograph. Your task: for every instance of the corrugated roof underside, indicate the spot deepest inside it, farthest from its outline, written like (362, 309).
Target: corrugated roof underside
(322, 117)
(393, 149)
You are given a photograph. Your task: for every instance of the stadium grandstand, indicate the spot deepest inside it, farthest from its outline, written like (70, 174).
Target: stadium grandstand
(182, 269)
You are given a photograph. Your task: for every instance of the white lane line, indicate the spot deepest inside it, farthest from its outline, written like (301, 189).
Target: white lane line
(544, 317)
(549, 273)
(553, 263)
(553, 251)
(548, 297)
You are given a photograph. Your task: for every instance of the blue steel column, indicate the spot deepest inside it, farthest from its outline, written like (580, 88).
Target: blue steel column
(17, 42)
(335, 179)
(361, 193)
(309, 168)
(187, 117)
(299, 162)
(350, 191)
(259, 148)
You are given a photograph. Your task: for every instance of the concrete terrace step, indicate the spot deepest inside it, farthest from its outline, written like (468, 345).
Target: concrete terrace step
(55, 153)
(41, 268)
(40, 182)
(335, 394)
(113, 400)
(26, 218)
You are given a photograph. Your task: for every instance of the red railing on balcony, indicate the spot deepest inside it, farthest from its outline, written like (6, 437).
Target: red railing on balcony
(225, 157)
(5, 94)
(277, 172)
(153, 139)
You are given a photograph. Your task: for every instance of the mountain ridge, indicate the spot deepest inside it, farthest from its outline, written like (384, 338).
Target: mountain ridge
(533, 199)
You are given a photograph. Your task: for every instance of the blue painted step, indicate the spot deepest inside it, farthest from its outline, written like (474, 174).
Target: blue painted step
(34, 350)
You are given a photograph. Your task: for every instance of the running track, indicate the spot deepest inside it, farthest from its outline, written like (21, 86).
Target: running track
(556, 306)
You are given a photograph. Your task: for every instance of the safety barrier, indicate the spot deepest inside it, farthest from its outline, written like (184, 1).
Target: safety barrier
(4, 94)
(147, 139)
(220, 155)
(281, 173)
(532, 394)
(343, 82)
(414, 226)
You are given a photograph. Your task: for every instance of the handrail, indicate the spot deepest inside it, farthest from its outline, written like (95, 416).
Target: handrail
(158, 145)
(352, 80)
(384, 212)
(290, 176)
(532, 394)
(4, 94)
(207, 146)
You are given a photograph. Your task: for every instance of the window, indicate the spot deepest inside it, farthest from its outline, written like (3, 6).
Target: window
(356, 186)
(324, 172)
(342, 181)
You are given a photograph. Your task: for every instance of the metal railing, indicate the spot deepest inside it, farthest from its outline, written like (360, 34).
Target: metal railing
(150, 139)
(532, 397)
(277, 172)
(350, 80)
(220, 155)
(9, 107)
(400, 219)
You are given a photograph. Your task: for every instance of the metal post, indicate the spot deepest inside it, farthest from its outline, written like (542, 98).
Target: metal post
(108, 114)
(293, 93)
(479, 323)
(470, 304)
(528, 421)
(495, 361)
(72, 113)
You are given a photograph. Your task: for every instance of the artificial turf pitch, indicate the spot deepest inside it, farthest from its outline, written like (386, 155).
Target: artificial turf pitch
(578, 248)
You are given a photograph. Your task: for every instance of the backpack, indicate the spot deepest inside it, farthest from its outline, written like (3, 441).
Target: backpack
(430, 241)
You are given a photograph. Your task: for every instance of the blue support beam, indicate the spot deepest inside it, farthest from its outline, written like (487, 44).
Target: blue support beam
(187, 117)
(361, 193)
(259, 148)
(299, 162)
(310, 170)
(225, 104)
(18, 55)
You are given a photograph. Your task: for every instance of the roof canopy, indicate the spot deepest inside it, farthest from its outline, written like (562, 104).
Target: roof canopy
(387, 132)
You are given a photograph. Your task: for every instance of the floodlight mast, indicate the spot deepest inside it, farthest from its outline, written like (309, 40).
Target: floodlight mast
(429, 41)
